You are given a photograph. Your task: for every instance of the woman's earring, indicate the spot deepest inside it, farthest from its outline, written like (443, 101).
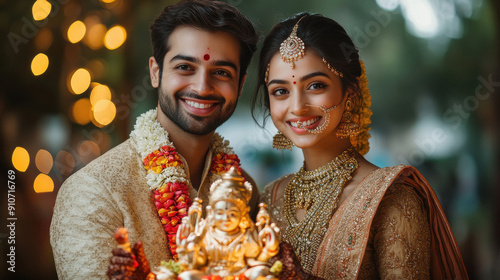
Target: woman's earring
(347, 128)
(280, 142)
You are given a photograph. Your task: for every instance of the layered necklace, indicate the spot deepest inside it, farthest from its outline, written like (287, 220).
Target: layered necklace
(166, 175)
(318, 191)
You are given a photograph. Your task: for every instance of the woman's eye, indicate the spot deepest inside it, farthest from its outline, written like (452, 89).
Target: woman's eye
(317, 86)
(279, 92)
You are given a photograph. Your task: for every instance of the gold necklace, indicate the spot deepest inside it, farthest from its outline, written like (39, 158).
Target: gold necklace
(318, 191)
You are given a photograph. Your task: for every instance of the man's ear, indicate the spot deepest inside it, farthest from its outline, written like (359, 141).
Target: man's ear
(240, 88)
(154, 72)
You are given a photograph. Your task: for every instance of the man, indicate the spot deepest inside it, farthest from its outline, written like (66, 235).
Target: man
(201, 52)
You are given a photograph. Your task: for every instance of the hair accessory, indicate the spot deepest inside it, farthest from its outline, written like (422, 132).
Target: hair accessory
(267, 74)
(280, 142)
(293, 48)
(332, 68)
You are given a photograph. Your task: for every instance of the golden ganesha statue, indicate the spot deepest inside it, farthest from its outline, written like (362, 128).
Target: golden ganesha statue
(226, 244)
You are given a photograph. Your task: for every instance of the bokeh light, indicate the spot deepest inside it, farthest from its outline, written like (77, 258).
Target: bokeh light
(94, 37)
(44, 161)
(39, 64)
(115, 37)
(20, 159)
(80, 81)
(76, 31)
(107, 1)
(104, 112)
(41, 9)
(64, 163)
(43, 183)
(99, 92)
(81, 110)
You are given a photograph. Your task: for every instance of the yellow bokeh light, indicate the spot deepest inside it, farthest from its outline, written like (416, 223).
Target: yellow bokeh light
(41, 9)
(81, 111)
(94, 37)
(44, 161)
(43, 183)
(39, 64)
(20, 159)
(80, 81)
(76, 31)
(115, 37)
(104, 111)
(99, 92)
(107, 1)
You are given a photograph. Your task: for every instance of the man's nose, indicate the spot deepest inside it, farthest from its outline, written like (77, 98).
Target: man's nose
(202, 83)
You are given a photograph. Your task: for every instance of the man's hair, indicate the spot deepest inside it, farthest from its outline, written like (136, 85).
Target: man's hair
(206, 15)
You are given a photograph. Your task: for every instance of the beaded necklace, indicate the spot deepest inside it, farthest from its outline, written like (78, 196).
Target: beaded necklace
(318, 191)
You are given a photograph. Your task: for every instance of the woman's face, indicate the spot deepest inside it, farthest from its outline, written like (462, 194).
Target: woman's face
(310, 82)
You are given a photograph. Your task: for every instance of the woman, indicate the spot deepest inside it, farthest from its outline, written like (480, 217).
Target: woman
(344, 217)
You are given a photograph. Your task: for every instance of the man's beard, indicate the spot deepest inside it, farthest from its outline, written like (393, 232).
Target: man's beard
(197, 125)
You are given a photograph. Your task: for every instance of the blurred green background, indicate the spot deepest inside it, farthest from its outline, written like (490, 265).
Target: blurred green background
(433, 72)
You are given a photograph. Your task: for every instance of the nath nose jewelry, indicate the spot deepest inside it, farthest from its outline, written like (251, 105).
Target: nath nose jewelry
(323, 126)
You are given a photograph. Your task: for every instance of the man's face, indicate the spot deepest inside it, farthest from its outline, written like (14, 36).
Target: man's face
(199, 86)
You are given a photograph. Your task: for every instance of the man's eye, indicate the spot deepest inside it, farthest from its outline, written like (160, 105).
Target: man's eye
(222, 73)
(184, 67)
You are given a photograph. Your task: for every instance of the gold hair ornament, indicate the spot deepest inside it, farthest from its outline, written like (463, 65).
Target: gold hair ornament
(333, 69)
(293, 48)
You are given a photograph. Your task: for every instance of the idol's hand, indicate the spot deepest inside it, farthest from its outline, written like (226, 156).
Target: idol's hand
(270, 241)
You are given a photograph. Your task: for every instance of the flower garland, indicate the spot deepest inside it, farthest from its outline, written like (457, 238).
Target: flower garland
(362, 114)
(166, 175)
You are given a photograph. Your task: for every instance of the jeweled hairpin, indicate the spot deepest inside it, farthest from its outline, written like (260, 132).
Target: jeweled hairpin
(334, 71)
(293, 48)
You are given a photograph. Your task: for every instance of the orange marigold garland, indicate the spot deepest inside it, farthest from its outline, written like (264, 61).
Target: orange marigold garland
(172, 198)
(166, 175)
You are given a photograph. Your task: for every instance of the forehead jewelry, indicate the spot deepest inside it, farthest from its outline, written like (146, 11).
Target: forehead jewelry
(334, 71)
(293, 48)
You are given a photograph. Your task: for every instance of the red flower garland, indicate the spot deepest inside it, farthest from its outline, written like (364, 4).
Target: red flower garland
(172, 198)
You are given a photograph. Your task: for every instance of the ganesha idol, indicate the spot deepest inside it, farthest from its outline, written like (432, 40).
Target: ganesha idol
(226, 244)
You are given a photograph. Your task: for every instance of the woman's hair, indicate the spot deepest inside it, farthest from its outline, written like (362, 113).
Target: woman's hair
(329, 40)
(321, 34)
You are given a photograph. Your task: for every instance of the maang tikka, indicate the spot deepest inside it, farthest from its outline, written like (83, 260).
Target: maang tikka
(293, 48)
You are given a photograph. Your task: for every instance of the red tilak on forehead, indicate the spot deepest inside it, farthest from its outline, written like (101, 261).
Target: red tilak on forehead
(206, 57)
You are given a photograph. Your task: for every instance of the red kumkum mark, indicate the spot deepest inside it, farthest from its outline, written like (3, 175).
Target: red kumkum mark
(294, 82)
(206, 57)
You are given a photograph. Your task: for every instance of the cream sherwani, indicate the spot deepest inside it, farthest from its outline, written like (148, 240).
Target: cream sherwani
(108, 193)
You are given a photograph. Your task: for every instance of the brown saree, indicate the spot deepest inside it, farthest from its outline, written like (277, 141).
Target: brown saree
(392, 207)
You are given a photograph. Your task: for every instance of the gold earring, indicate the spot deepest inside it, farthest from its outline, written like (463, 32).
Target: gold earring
(347, 128)
(280, 142)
